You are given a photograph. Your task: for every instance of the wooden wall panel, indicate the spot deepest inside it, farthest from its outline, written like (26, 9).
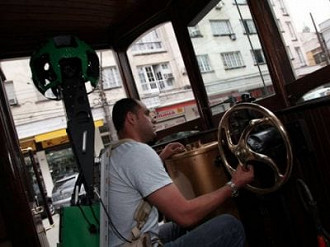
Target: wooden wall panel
(312, 150)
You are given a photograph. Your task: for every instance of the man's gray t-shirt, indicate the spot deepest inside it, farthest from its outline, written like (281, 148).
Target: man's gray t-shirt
(136, 171)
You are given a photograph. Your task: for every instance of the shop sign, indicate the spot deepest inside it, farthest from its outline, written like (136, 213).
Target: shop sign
(171, 113)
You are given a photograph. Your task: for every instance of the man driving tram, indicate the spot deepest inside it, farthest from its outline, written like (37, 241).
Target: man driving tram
(137, 174)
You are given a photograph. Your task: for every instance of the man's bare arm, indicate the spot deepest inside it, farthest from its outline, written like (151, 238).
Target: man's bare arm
(174, 206)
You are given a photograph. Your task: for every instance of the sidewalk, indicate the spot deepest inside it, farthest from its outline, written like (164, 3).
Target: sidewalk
(52, 231)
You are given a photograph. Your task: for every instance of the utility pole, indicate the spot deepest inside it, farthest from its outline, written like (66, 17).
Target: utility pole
(321, 41)
(105, 106)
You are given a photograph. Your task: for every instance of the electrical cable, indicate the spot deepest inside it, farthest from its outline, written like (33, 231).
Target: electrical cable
(92, 227)
(251, 45)
(93, 212)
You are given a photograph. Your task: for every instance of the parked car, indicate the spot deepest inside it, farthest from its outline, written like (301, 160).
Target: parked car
(63, 190)
(317, 93)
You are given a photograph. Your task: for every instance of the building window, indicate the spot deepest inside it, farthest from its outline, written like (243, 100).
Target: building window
(319, 57)
(288, 50)
(249, 27)
(155, 78)
(258, 56)
(240, 2)
(194, 32)
(149, 43)
(232, 60)
(203, 63)
(283, 8)
(280, 26)
(105, 135)
(300, 56)
(110, 77)
(291, 30)
(221, 27)
(219, 5)
(11, 95)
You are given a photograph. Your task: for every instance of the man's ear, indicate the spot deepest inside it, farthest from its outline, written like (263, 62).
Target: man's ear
(131, 117)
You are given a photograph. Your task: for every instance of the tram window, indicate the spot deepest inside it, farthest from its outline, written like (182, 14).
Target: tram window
(233, 60)
(305, 30)
(161, 77)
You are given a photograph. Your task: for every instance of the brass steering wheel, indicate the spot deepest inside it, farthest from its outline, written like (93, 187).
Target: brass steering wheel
(243, 152)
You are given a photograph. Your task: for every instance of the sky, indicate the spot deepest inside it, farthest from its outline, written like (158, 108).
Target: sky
(300, 11)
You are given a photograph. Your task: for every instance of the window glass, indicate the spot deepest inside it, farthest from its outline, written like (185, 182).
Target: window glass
(11, 95)
(288, 50)
(248, 26)
(231, 54)
(149, 43)
(61, 163)
(239, 1)
(292, 31)
(305, 29)
(221, 27)
(258, 56)
(204, 63)
(111, 78)
(109, 90)
(232, 60)
(161, 77)
(194, 32)
(282, 7)
(279, 24)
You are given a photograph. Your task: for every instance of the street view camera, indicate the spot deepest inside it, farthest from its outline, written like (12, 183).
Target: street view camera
(62, 68)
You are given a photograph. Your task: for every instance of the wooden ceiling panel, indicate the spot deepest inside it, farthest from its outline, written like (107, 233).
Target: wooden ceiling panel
(26, 24)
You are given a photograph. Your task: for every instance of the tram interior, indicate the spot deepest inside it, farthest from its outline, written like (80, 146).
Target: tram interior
(293, 134)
